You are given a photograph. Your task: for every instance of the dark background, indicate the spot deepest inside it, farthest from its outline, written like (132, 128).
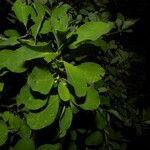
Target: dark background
(138, 41)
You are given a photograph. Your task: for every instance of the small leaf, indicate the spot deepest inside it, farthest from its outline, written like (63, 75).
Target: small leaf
(24, 144)
(25, 97)
(1, 86)
(46, 27)
(14, 122)
(3, 132)
(91, 31)
(12, 41)
(40, 80)
(95, 138)
(45, 117)
(72, 146)
(21, 11)
(25, 131)
(63, 91)
(92, 100)
(49, 147)
(116, 114)
(65, 121)
(6, 115)
(75, 78)
(128, 23)
(100, 121)
(11, 33)
(147, 122)
(60, 19)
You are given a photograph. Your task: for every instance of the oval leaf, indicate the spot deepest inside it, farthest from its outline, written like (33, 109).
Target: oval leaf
(92, 72)
(92, 100)
(21, 11)
(40, 80)
(65, 121)
(95, 138)
(63, 91)
(25, 97)
(24, 144)
(91, 31)
(45, 117)
(49, 147)
(75, 78)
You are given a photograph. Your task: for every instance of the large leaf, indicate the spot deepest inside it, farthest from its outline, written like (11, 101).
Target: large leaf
(76, 79)
(3, 132)
(40, 80)
(91, 31)
(14, 60)
(49, 147)
(92, 100)
(79, 76)
(65, 121)
(92, 72)
(63, 91)
(21, 11)
(24, 144)
(25, 97)
(59, 18)
(45, 117)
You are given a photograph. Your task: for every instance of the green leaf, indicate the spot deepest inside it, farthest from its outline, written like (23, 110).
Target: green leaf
(65, 122)
(21, 11)
(60, 19)
(3, 132)
(1, 86)
(18, 57)
(46, 27)
(79, 76)
(92, 100)
(116, 114)
(6, 115)
(25, 97)
(37, 18)
(24, 144)
(40, 80)
(72, 146)
(12, 41)
(147, 122)
(100, 121)
(91, 31)
(95, 138)
(49, 147)
(14, 122)
(76, 79)
(63, 91)
(92, 72)
(128, 23)
(11, 33)
(25, 131)
(45, 117)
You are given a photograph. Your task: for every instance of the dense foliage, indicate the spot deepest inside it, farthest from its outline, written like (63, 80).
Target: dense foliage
(65, 78)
